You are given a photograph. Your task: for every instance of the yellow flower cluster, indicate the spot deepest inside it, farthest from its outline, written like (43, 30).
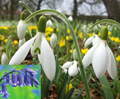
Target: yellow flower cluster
(90, 34)
(118, 58)
(68, 38)
(68, 88)
(2, 37)
(4, 27)
(81, 35)
(115, 39)
(62, 43)
(84, 51)
(32, 28)
(49, 29)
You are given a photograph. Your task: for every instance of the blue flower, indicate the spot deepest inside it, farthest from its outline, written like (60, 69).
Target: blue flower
(6, 95)
(8, 80)
(20, 80)
(4, 89)
(14, 79)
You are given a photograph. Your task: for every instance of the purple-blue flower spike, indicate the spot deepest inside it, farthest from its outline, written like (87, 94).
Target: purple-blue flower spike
(14, 79)
(6, 95)
(36, 81)
(30, 71)
(29, 81)
(25, 79)
(8, 80)
(4, 89)
(20, 80)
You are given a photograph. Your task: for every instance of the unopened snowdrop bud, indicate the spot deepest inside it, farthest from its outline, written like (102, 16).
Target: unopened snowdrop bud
(4, 59)
(70, 18)
(49, 23)
(42, 24)
(104, 33)
(53, 40)
(21, 28)
(74, 54)
(21, 42)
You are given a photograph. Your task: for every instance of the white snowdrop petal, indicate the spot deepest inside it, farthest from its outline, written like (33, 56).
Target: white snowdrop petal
(87, 59)
(100, 59)
(47, 59)
(112, 67)
(88, 41)
(21, 29)
(67, 65)
(21, 42)
(53, 40)
(95, 40)
(4, 59)
(73, 70)
(49, 23)
(22, 52)
(65, 70)
(36, 44)
(70, 18)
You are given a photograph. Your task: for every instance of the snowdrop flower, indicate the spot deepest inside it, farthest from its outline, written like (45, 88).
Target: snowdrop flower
(4, 59)
(70, 18)
(53, 40)
(74, 54)
(93, 39)
(21, 28)
(101, 57)
(72, 67)
(43, 49)
(21, 42)
(49, 23)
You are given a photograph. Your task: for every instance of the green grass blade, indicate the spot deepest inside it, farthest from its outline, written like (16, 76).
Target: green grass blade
(104, 82)
(69, 94)
(29, 31)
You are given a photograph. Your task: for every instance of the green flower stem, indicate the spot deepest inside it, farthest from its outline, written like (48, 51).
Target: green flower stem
(64, 19)
(29, 10)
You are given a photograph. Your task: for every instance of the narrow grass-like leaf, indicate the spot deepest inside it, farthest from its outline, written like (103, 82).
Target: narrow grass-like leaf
(118, 86)
(83, 88)
(109, 21)
(29, 31)
(110, 90)
(69, 94)
(104, 82)
(63, 86)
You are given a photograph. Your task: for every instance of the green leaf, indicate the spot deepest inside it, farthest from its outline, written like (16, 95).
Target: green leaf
(104, 82)
(109, 21)
(69, 94)
(110, 90)
(83, 88)
(29, 31)
(118, 86)
(63, 86)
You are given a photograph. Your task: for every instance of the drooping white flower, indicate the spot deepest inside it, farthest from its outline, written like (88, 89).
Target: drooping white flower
(53, 40)
(49, 23)
(74, 54)
(21, 29)
(70, 18)
(21, 42)
(93, 39)
(101, 57)
(72, 67)
(45, 53)
(4, 59)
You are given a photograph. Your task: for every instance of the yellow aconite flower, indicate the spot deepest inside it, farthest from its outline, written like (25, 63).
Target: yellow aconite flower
(2, 37)
(68, 31)
(116, 39)
(62, 43)
(48, 38)
(67, 89)
(112, 38)
(47, 33)
(4, 27)
(15, 42)
(68, 37)
(98, 34)
(109, 33)
(5, 40)
(118, 58)
(84, 51)
(49, 29)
